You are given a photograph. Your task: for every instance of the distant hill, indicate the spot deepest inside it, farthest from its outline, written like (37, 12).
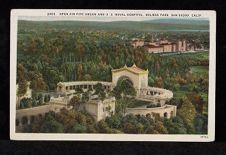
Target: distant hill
(144, 26)
(203, 22)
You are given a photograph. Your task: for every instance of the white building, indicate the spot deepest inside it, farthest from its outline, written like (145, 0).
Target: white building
(137, 76)
(100, 109)
(139, 79)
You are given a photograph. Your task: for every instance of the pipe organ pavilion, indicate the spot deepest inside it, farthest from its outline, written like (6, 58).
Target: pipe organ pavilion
(100, 109)
(139, 78)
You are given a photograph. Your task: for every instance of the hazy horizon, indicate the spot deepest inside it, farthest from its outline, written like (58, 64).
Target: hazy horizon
(105, 19)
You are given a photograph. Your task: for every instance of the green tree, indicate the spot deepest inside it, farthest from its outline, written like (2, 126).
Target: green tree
(75, 103)
(102, 127)
(129, 128)
(159, 82)
(80, 118)
(175, 126)
(197, 101)
(114, 121)
(22, 83)
(91, 129)
(159, 127)
(40, 99)
(27, 128)
(52, 126)
(46, 99)
(22, 88)
(122, 104)
(87, 77)
(37, 124)
(139, 128)
(66, 118)
(99, 90)
(78, 128)
(187, 112)
(85, 97)
(201, 124)
(37, 81)
(150, 130)
(124, 88)
(20, 73)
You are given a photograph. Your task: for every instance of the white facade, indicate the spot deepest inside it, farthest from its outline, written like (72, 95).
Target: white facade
(139, 79)
(100, 109)
(64, 87)
(166, 111)
(137, 76)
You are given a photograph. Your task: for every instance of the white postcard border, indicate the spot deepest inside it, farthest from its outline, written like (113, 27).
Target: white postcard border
(210, 14)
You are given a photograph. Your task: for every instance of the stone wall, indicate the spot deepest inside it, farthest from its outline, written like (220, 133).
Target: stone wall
(63, 87)
(166, 111)
(99, 109)
(30, 113)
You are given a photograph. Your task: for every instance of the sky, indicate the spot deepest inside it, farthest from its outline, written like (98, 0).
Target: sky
(94, 18)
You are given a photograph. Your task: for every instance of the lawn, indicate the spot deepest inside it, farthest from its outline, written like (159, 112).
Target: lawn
(200, 70)
(198, 56)
(138, 103)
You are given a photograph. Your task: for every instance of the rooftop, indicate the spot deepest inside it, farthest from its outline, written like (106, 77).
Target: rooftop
(153, 46)
(133, 69)
(70, 83)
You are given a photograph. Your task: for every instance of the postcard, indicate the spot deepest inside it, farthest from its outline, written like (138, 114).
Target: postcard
(112, 75)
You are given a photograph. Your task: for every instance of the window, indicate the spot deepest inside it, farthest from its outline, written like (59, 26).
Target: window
(165, 115)
(171, 114)
(17, 122)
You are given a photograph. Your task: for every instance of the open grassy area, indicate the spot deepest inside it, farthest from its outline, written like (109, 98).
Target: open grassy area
(197, 56)
(138, 103)
(200, 70)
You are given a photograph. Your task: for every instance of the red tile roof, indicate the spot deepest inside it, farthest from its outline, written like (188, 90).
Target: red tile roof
(153, 46)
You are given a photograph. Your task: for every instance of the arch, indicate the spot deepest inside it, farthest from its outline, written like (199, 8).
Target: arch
(32, 118)
(17, 122)
(165, 115)
(126, 75)
(148, 115)
(24, 120)
(40, 116)
(125, 78)
(171, 114)
(45, 114)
